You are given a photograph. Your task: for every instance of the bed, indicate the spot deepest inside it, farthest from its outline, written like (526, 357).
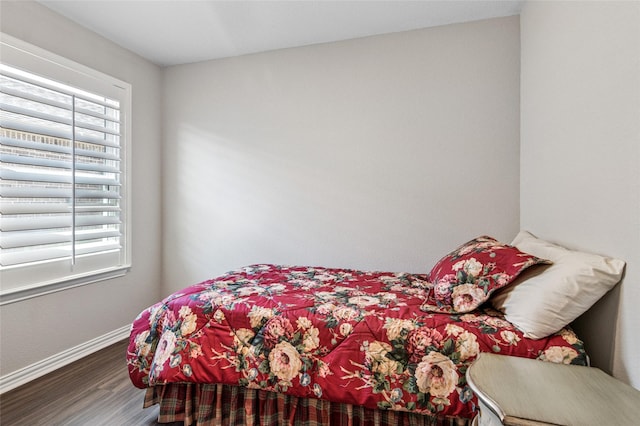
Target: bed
(272, 344)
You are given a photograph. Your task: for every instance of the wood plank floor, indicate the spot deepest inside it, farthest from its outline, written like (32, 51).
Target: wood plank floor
(92, 391)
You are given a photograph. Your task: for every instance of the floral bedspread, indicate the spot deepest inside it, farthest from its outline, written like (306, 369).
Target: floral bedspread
(343, 335)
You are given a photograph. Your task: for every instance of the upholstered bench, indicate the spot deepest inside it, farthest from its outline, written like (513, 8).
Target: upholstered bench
(523, 392)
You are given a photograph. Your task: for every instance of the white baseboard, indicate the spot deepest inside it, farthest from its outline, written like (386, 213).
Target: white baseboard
(47, 365)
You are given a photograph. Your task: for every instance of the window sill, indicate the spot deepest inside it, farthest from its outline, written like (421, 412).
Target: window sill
(28, 292)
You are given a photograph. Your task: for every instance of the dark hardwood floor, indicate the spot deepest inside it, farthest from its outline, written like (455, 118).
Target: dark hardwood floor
(92, 391)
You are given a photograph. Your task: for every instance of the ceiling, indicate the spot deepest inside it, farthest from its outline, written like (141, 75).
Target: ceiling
(172, 32)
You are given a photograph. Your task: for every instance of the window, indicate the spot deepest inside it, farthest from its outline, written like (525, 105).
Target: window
(64, 133)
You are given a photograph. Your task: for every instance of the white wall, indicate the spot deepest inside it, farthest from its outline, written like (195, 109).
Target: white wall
(580, 143)
(44, 326)
(377, 153)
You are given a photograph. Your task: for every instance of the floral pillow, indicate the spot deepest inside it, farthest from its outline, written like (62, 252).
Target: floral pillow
(465, 278)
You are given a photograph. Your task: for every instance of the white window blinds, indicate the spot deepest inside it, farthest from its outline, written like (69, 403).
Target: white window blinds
(62, 172)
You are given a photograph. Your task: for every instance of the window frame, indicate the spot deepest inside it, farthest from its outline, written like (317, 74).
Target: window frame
(32, 280)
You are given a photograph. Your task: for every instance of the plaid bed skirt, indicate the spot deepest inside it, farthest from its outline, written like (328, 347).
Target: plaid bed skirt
(224, 405)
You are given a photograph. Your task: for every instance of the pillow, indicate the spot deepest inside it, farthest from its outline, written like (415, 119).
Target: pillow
(465, 278)
(544, 300)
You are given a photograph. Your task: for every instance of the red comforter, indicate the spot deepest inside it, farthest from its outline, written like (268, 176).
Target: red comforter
(343, 335)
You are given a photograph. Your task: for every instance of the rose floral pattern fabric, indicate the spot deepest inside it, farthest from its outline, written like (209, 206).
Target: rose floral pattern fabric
(465, 278)
(337, 334)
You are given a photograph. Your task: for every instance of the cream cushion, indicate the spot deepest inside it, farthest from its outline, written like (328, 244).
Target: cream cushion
(546, 298)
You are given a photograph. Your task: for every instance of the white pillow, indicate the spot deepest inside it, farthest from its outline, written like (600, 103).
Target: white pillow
(546, 298)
